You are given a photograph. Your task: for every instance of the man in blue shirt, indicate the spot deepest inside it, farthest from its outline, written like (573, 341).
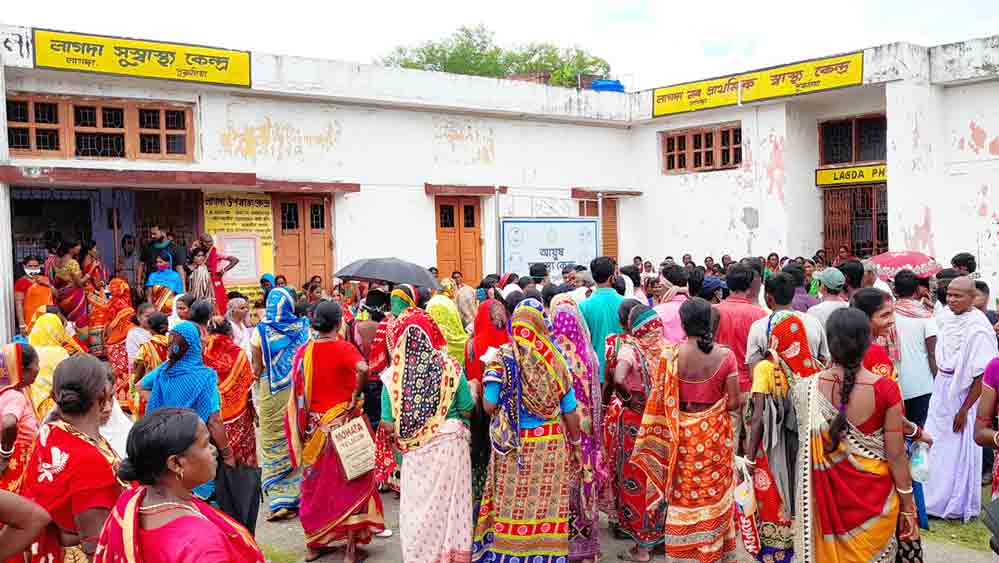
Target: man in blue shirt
(600, 308)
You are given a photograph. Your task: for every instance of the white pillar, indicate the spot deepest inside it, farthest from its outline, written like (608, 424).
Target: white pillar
(6, 233)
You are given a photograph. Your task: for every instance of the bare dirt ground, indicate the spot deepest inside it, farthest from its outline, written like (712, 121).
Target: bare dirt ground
(284, 542)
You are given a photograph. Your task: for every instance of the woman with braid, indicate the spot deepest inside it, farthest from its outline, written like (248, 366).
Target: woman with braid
(854, 487)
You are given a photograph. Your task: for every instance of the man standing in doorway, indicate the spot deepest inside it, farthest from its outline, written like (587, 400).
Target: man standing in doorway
(966, 343)
(599, 310)
(160, 245)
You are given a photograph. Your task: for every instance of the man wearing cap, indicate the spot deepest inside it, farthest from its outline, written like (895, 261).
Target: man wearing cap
(831, 282)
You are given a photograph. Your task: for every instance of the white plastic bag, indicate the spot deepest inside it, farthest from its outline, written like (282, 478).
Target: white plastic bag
(745, 496)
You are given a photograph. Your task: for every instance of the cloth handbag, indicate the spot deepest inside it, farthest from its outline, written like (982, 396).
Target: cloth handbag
(745, 507)
(354, 446)
(237, 490)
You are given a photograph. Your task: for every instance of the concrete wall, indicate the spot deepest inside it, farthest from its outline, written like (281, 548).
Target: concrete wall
(740, 211)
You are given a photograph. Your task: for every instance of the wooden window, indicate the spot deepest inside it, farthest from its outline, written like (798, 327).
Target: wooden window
(853, 140)
(704, 149)
(70, 127)
(34, 127)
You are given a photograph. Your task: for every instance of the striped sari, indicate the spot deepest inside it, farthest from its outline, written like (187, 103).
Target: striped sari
(151, 354)
(98, 304)
(847, 505)
(72, 299)
(162, 298)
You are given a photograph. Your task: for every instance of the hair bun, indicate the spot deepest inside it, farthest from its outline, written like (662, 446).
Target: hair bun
(127, 471)
(72, 399)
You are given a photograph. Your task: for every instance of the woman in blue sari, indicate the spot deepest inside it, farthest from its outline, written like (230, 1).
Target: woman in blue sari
(274, 344)
(164, 284)
(184, 381)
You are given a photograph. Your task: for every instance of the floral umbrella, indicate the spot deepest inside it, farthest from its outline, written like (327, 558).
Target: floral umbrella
(890, 263)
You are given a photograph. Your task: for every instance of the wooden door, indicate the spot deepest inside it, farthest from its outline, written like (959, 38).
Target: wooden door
(302, 235)
(459, 236)
(608, 223)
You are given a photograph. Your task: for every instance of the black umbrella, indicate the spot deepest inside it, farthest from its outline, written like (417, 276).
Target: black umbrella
(390, 270)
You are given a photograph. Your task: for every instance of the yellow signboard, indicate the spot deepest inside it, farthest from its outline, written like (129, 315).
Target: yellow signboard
(872, 174)
(243, 226)
(147, 59)
(787, 80)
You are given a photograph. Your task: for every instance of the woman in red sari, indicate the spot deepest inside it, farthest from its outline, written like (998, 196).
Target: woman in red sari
(18, 421)
(214, 262)
(328, 381)
(71, 472)
(235, 379)
(161, 520)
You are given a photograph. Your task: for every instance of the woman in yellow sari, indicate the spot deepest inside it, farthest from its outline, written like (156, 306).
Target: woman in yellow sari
(854, 487)
(47, 337)
(445, 313)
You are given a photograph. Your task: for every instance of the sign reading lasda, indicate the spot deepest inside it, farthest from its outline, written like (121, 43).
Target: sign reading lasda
(788, 80)
(871, 174)
(147, 59)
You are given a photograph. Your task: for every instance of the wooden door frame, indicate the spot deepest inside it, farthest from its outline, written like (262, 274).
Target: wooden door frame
(874, 187)
(459, 201)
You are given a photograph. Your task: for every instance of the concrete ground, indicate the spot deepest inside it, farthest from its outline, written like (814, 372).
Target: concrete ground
(286, 539)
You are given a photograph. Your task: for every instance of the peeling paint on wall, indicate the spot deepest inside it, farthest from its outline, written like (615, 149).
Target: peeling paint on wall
(775, 169)
(919, 236)
(978, 136)
(274, 139)
(463, 141)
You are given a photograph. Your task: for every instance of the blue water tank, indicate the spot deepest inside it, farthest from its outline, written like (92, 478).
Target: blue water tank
(608, 86)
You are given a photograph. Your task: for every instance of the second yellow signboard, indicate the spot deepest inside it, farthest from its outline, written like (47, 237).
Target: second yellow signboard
(871, 174)
(787, 80)
(134, 57)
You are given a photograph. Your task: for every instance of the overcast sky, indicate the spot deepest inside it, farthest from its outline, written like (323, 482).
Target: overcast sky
(647, 43)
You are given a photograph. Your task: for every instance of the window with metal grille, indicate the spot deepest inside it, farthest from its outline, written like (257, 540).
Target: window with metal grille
(289, 216)
(317, 216)
(700, 150)
(62, 127)
(33, 127)
(163, 133)
(469, 211)
(854, 139)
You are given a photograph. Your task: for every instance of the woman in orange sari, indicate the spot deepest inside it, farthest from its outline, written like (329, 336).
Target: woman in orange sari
(97, 300)
(121, 317)
(71, 472)
(32, 291)
(235, 379)
(685, 445)
(151, 354)
(855, 497)
(328, 381)
(18, 420)
(161, 520)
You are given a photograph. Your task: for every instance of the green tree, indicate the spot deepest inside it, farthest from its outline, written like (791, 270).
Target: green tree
(473, 50)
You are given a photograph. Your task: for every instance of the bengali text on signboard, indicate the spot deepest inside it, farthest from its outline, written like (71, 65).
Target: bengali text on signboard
(147, 59)
(787, 80)
(243, 226)
(871, 174)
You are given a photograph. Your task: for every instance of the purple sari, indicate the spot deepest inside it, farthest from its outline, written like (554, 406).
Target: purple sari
(570, 333)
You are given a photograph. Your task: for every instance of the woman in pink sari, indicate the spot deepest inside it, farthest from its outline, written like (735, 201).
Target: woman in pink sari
(70, 283)
(161, 521)
(573, 338)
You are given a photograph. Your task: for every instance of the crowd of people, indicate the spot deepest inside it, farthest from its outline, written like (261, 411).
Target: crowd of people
(766, 402)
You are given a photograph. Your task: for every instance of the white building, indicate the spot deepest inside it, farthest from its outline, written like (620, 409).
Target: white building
(332, 161)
